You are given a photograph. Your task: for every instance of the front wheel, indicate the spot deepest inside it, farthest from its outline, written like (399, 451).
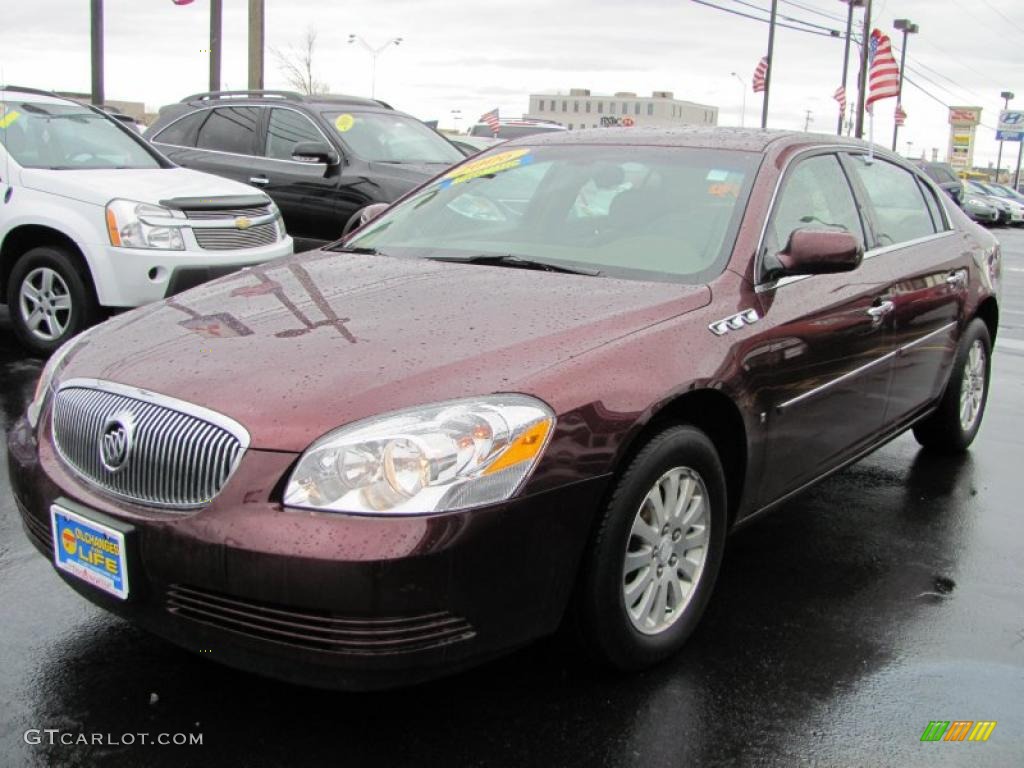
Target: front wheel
(49, 299)
(955, 423)
(656, 552)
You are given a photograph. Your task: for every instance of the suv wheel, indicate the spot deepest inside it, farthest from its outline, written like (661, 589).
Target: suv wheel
(49, 299)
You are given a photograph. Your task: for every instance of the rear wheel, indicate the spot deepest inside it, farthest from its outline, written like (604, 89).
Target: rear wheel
(955, 423)
(656, 552)
(49, 299)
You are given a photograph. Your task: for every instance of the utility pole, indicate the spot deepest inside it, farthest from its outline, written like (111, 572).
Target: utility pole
(807, 120)
(256, 16)
(96, 24)
(862, 83)
(216, 12)
(1016, 175)
(908, 28)
(771, 65)
(846, 52)
(1006, 96)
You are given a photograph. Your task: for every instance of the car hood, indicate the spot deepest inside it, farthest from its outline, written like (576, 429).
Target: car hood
(299, 346)
(150, 185)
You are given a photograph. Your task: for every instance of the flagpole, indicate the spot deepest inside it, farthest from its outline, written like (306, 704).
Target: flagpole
(768, 74)
(862, 88)
(871, 136)
(908, 28)
(846, 57)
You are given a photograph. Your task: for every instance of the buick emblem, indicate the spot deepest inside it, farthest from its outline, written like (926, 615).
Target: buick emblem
(116, 441)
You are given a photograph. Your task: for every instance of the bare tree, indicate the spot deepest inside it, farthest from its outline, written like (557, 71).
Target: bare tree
(297, 65)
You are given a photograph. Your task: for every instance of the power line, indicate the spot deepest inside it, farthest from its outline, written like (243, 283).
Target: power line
(765, 21)
(816, 11)
(1003, 16)
(832, 32)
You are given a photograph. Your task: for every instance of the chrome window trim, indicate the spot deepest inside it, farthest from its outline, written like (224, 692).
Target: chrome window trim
(156, 139)
(172, 404)
(861, 369)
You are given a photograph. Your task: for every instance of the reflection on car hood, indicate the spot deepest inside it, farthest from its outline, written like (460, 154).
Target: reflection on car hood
(299, 346)
(149, 185)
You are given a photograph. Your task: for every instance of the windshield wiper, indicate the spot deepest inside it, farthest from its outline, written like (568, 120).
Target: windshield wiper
(518, 262)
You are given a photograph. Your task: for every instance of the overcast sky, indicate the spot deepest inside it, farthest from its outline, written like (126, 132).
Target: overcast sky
(474, 56)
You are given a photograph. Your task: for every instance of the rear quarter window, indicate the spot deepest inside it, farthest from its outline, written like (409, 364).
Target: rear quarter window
(181, 132)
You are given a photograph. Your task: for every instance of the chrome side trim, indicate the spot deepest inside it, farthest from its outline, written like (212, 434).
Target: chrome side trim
(857, 371)
(734, 322)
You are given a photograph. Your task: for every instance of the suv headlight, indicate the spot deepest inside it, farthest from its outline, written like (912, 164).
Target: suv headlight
(436, 458)
(128, 227)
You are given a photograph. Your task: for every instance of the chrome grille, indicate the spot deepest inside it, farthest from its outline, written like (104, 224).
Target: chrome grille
(231, 238)
(180, 456)
(227, 213)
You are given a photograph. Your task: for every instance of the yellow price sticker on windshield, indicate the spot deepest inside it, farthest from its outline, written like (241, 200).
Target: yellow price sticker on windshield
(344, 122)
(9, 118)
(487, 166)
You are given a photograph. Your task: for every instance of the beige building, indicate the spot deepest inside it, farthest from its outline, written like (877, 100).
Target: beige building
(579, 108)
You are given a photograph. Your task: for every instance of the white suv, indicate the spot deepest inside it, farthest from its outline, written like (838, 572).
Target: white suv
(93, 217)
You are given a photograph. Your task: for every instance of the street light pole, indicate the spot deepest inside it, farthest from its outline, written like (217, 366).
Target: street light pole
(862, 82)
(846, 52)
(256, 27)
(374, 53)
(909, 28)
(743, 91)
(1006, 96)
(216, 13)
(771, 65)
(96, 46)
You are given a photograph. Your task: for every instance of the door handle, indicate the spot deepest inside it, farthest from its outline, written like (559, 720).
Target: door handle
(880, 310)
(261, 180)
(957, 279)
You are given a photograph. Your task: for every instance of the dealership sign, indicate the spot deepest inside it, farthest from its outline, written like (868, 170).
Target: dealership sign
(962, 124)
(1011, 125)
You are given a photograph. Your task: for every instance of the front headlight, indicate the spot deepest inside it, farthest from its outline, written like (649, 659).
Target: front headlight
(53, 365)
(436, 458)
(128, 227)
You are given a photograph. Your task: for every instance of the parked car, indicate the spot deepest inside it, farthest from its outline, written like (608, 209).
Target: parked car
(494, 409)
(124, 119)
(980, 209)
(471, 145)
(515, 129)
(95, 219)
(943, 175)
(1006, 198)
(320, 158)
(1010, 212)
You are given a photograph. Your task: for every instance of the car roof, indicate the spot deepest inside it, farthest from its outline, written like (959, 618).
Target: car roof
(702, 137)
(320, 100)
(37, 95)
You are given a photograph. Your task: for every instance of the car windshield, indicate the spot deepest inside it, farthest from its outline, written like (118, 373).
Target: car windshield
(382, 137)
(67, 137)
(648, 213)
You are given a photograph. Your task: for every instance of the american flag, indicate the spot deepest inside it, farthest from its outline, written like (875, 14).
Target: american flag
(760, 73)
(883, 72)
(840, 96)
(491, 118)
(901, 116)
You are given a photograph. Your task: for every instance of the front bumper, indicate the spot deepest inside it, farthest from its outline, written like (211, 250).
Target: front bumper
(323, 599)
(131, 277)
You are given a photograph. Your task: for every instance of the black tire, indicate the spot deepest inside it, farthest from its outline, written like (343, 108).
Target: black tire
(604, 626)
(944, 430)
(79, 315)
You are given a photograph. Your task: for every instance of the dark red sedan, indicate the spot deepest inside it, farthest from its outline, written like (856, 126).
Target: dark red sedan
(540, 388)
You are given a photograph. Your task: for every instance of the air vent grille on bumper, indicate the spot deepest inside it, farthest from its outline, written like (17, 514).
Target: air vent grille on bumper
(315, 630)
(231, 238)
(175, 455)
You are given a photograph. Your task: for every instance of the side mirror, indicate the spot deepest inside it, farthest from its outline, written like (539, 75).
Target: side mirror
(364, 216)
(314, 152)
(820, 252)
(957, 193)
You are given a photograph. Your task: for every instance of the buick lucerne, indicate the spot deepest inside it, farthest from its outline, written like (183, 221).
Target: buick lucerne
(539, 389)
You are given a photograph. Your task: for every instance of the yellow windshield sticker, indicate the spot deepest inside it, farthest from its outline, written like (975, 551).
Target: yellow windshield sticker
(9, 118)
(487, 166)
(344, 122)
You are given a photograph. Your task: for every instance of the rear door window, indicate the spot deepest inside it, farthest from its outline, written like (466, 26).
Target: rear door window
(901, 213)
(230, 129)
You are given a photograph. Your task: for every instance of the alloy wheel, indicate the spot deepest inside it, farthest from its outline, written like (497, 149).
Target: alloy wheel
(45, 303)
(972, 389)
(666, 550)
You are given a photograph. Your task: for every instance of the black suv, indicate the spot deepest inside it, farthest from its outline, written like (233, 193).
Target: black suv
(321, 158)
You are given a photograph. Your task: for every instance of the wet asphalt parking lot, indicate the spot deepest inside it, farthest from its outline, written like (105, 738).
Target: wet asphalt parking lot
(890, 595)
